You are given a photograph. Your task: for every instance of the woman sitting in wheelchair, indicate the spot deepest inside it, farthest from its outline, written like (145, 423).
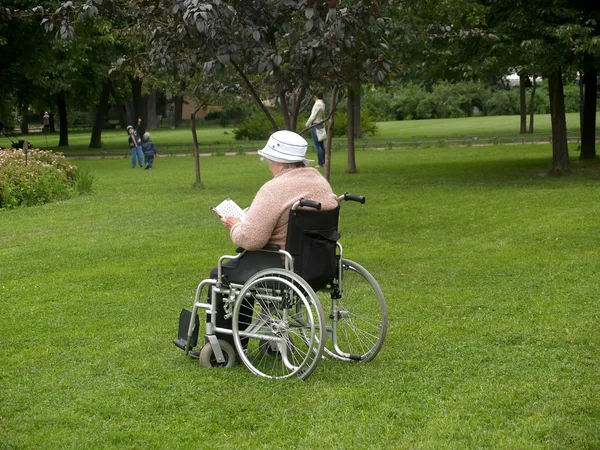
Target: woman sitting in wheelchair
(267, 218)
(269, 303)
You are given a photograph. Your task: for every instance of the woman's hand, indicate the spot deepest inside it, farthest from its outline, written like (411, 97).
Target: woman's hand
(229, 221)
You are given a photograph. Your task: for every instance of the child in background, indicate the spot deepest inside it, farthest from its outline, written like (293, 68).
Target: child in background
(149, 150)
(135, 144)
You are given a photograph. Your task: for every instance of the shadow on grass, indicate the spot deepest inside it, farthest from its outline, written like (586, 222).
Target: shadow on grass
(474, 170)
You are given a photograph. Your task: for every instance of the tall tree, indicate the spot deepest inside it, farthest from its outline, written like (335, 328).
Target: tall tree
(288, 47)
(539, 27)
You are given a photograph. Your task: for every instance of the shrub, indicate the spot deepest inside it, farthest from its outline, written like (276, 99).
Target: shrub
(340, 126)
(34, 178)
(503, 102)
(379, 104)
(572, 99)
(406, 100)
(80, 119)
(235, 114)
(256, 127)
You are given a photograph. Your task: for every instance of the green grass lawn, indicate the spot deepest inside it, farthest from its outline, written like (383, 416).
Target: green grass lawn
(215, 138)
(489, 267)
(472, 126)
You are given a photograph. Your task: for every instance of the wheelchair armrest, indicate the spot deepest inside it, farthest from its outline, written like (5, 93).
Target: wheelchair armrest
(271, 247)
(268, 247)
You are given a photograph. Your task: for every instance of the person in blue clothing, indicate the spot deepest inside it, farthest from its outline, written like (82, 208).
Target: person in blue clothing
(135, 144)
(149, 150)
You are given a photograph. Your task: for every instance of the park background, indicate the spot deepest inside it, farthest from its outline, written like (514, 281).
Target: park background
(487, 258)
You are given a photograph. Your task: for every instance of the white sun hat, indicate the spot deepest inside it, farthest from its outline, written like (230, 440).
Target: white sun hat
(285, 147)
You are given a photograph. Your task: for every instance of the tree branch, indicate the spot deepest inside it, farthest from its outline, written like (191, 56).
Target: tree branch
(255, 95)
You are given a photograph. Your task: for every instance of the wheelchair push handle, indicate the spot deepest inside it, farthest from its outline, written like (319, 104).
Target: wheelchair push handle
(307, 203)
(352, 197)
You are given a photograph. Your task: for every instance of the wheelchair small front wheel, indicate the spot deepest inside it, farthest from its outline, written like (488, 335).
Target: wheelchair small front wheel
(209, 360)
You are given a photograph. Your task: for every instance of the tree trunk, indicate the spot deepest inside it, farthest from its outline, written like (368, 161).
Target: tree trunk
(329, 139)
(357, 127)
(101, 111)
(299, 95)
(24, 113)
(196, 150)
(52, 124)
(139, 104)
(63, 140)
(285, 110)
(151, 110)
(588, 129)
(532, 103)
(523, 102)
(351, 156)
(121, 110)
(580, 82)
(178, 111)
(560, 150)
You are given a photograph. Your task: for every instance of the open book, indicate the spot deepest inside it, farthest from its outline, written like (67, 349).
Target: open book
(229, 208)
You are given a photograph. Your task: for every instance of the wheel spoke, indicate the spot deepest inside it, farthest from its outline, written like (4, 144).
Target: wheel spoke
(277, 325)
(359, 320)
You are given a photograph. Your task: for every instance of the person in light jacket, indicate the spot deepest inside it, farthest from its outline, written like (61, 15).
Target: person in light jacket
(317, 114)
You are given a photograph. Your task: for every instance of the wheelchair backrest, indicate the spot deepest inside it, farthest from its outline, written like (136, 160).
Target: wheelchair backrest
(311, 239)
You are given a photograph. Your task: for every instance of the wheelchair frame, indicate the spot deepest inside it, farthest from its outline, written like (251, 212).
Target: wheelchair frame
(297, 336)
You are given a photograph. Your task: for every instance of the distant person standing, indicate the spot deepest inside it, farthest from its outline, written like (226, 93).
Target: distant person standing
(135, 144)
(46, 122)
(316, 116)
(149, 150)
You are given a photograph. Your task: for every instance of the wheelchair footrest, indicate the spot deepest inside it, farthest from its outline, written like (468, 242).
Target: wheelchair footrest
(185, 318)
(180, 343)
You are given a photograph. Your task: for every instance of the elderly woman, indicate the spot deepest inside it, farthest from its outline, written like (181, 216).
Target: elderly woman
(266, 220)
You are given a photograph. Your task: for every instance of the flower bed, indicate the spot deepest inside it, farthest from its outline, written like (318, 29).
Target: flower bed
(35, 177)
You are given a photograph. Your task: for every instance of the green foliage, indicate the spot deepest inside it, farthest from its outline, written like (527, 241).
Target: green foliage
(442, 103)
(34, 178)
(377, 103)
(367, 124)
(80, 119)
(503, 102)
(445, 100)
(256, 127)
(86, 179)
(406, 101)
(232, 114)
(572, 100)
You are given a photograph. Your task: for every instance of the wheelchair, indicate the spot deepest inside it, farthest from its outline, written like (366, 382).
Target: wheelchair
(278, 323)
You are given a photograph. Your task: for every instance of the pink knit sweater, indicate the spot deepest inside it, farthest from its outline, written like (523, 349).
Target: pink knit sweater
(267, 218)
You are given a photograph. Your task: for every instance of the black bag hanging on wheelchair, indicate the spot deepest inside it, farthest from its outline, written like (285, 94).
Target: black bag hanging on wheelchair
(311, 240)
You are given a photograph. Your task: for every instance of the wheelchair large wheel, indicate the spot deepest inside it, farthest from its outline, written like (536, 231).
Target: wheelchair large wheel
(358, 321)
(278, 325)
